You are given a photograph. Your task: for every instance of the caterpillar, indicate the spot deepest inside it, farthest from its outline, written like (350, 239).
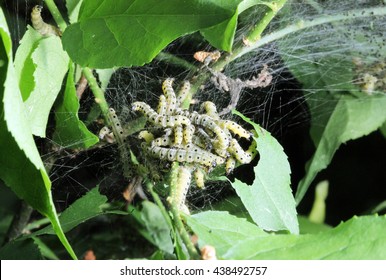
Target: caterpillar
(183, 94)
(235, 128)
(230, 165)
(203, 140)
(161, 109)
(238, 152)
(199, 178)
(178, 135)
(164, 140)
(210, 109)
(122, 147)
(146, 135)
(170, 96)
(178, 196)
(207, 122)
(40, 26)
(106, 134)
(188, 134)
(163, 121)
(115, 122)
(186, 155)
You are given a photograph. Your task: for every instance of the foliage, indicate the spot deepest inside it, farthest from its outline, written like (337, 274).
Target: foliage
(41, 78)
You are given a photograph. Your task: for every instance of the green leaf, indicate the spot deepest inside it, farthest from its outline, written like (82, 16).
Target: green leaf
(104, 76)
(351, 119)
(306, 226)
(221, 230)
(24, 66)
(83, 209)
(22, 168)
(269, 199)
(360, 238)
(383, 129)
(134, 32)
(73, 7)
(20, 250)
(221, 36)
(51, 64)
(157, 226)
(70, 131)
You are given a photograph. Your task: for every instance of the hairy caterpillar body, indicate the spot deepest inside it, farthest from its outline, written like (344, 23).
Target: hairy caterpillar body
(183, 94)
(188, 134)
(199, 178)
(170, 96)
(178, 197)
(161, 109)
(115, 122)
(235, 128)
(146, 135)
(210, 109)
(222, 140)
(186, 155)
(230, 165)
(178, 136)
(40, 26)
(203, 139)
(161, 120)
(164, 141)
(238, 152)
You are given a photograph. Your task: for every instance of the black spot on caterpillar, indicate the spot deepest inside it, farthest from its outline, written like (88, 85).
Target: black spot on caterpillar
(40, 26)
(188, 154)
(210, 109)
(238, 152)
(161, 120)
(161, 109)
(171, 100)
(178, 197)
(235, 128)
(183, 94)
(199, 178)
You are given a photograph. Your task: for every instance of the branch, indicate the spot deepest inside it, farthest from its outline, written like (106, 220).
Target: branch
(56, 14)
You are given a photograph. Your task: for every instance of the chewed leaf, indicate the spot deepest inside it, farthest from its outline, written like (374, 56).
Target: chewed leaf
(221, 230)
(153, 24)
(269, 199)
(71, 132)
(22, 168)
(345, 242)
(85, 208)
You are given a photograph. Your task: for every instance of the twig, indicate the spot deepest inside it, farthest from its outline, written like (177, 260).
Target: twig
(164, 56)
(19, 222)
(56, 14)
(81, 87)
(158, 201)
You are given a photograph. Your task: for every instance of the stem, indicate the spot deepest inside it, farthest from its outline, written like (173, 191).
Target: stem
(158, 201)
(164, 56)
(56, 14)
(183, 233)
(19, 222)
(97, 91)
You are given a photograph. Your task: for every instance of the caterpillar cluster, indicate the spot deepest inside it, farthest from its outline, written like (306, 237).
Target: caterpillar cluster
(199, 141)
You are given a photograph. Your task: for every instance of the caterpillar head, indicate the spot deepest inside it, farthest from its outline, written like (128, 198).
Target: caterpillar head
(37, 9)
